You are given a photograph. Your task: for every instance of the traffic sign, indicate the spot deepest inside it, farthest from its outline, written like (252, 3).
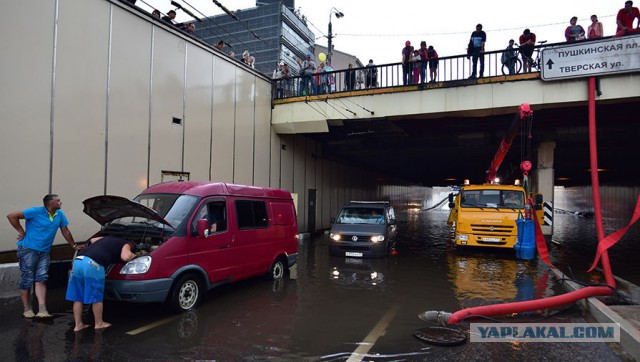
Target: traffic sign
(591, 58)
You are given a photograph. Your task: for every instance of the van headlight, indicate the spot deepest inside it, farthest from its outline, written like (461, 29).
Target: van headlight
(335, 236)
(463, 237)
(138, 265)
(377, 238)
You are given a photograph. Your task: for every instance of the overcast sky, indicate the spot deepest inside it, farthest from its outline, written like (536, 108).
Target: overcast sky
(375, 29)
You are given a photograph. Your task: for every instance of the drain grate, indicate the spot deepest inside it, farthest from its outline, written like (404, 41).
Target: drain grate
(441, 336)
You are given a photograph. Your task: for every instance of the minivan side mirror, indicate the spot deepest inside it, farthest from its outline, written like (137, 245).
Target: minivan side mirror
(450, 198)
(392, 221)
(202, 226)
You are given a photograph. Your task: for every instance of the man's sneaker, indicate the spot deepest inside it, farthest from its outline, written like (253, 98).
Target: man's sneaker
(28, 314)
(43, 315)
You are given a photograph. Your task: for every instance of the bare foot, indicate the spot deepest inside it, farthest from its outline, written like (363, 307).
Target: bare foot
(78, 329)
(103, 325)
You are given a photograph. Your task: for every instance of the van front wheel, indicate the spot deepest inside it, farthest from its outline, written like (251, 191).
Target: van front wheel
(187, 293)
(277, 270)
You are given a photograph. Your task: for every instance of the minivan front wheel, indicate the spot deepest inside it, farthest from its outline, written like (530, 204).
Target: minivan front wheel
(277, 270)
(187, 293)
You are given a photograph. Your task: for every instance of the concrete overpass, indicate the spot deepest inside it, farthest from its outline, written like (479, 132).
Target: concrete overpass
(442, 133)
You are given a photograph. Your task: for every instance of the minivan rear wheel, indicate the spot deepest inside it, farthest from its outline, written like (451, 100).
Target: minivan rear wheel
(277, 270)
(187, 293)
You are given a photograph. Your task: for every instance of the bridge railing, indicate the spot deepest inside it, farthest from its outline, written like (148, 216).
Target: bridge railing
(450, 69)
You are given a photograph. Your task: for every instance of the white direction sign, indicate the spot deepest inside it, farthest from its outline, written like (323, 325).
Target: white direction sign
(591, 58)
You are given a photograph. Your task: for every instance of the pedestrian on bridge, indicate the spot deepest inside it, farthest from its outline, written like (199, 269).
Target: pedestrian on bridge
(432, 56)
(625, 19)
(407, 65)
(594, 30)
(574, 32)
(476, 50)
(527, 44)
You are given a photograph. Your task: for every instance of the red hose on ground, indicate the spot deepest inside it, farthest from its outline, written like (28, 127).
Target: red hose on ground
(528, 305)
(571, 297)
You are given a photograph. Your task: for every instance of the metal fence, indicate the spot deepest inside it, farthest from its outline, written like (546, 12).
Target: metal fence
(449, 69)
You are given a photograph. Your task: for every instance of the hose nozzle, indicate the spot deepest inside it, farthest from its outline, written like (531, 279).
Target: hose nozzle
(435, 316)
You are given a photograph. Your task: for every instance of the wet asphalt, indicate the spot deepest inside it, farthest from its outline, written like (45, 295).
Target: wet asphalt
(328, 309)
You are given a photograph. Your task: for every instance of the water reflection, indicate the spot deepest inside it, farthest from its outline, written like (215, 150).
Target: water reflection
(481, 279)
(354, 273)
(86, 348)
(28, 343)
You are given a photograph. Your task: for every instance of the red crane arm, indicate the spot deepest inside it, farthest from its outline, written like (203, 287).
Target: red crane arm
(524, 113)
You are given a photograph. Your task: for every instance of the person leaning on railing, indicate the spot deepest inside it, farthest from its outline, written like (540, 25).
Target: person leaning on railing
(527, 43)
(625, 19)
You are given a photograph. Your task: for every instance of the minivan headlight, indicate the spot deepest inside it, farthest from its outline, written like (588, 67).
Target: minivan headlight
(138, 265)
(335, 236)
(377, 238)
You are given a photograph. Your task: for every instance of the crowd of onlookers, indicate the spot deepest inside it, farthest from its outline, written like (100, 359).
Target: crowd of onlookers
(415, 62)
(320, 79)
(573, 33)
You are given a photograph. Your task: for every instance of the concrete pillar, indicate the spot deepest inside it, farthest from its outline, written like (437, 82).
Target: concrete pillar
(543, 176)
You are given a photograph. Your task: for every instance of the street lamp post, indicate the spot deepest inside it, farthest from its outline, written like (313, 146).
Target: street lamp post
(339, 14)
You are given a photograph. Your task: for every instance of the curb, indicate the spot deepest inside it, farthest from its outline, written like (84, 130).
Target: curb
(629, 333)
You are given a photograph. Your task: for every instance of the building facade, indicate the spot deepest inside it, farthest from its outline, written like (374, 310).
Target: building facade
(272, 32)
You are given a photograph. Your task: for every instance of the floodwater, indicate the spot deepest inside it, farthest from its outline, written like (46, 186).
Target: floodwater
(332, 308)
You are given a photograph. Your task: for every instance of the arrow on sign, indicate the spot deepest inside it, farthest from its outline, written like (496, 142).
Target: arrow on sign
(550, 64)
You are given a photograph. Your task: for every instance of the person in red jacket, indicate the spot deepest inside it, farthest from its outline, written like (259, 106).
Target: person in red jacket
(527, 42)
(625, 19)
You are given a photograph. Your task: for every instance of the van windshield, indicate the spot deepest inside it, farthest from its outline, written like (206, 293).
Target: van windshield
(361, 215)
(172, 207)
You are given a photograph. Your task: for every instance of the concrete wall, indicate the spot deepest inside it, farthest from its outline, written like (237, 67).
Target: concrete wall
(89, 92)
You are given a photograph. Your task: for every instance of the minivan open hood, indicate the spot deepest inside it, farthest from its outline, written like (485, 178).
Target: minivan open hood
(106, 208)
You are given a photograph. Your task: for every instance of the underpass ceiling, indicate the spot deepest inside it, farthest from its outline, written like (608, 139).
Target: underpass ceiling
(446, 150)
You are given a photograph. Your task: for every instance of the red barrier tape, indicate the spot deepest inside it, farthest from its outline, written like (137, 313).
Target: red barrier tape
(614, 237)
(541, 244)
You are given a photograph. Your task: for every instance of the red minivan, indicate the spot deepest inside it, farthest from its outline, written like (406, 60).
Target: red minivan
(193, 236)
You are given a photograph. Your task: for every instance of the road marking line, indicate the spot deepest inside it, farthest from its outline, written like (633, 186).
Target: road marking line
(152, 325)
(378, 331)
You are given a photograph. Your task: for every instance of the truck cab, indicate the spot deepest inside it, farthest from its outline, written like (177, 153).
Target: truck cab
(485, 215)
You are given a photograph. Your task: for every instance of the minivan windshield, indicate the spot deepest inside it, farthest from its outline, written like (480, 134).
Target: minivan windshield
(172, 207)
(361, 215)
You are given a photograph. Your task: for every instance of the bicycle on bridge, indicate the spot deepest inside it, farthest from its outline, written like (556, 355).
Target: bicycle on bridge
(513, 65)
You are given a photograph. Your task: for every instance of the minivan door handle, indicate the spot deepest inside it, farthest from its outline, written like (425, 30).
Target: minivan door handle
(223, 246)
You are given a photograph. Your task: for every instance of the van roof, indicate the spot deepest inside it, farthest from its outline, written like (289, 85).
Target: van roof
(207, 188)
(369, 202)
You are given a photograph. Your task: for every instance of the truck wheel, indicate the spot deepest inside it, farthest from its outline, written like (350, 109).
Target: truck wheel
(277, 270)
(187, 293)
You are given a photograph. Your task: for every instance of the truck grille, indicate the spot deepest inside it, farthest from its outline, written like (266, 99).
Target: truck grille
(498, 230)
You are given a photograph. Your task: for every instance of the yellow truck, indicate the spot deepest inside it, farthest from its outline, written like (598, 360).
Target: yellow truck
(485, 215)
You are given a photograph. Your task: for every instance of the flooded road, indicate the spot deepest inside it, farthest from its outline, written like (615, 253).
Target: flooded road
(328, 309)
